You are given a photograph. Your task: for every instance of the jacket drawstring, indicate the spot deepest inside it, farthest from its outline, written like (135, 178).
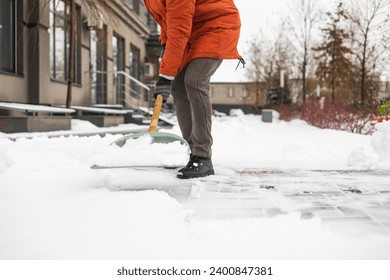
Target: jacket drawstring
(241, 61)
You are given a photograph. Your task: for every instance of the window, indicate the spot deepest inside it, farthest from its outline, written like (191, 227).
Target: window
(136, 6)
(133, 4)
(135, 62)
(118, 55)
(98, 65)
(230, 92)
(11, 40)
(59, 42)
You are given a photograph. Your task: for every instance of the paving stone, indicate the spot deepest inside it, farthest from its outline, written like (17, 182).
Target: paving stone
(323, 212)
(271, 212)
(346, 200)
(351, 211)
(380, 213)
(225, 214)
(355, 227)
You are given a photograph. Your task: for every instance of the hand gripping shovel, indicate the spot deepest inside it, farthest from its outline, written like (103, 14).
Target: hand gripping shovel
(157, 137)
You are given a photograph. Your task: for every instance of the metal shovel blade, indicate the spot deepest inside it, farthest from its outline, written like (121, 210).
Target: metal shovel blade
(156, 137)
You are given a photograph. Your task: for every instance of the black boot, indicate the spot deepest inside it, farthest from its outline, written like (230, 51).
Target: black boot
(190, 162)
(196, 167)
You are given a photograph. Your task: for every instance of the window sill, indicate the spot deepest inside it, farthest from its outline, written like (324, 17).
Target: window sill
(3, 72)
(65, 83)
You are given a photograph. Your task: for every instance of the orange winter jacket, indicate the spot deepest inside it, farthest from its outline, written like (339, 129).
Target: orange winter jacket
(195, 29)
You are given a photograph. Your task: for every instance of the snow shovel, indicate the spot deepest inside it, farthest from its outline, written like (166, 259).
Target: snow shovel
(157, 137)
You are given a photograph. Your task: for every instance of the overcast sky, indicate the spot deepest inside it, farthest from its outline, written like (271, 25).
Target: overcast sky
(255, 15)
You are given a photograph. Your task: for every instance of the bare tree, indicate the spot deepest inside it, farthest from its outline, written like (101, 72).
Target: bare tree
(369, 18)
(304, 15)
(386, 70)
(72, 23)
(268, 55)
(255, 70)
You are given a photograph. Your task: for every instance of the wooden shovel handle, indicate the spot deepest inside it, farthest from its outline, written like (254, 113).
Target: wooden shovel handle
(156, 114)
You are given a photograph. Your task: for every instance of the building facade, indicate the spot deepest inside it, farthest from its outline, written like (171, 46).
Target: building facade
(250, 97)
(110, 46)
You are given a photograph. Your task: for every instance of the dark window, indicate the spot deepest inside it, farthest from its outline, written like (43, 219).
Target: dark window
(77, 50)
(118, 55)
(59, 42)
(133, 4)
(98, 65)
(135, 62)
(136, 6)
(11, 41)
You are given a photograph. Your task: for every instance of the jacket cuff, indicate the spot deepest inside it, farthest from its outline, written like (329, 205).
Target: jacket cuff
(171, 78)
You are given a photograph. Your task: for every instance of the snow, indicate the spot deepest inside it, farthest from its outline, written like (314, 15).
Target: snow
(53, 205)
(100, 110)
(381, 142)
(376, 155)
(34, 108)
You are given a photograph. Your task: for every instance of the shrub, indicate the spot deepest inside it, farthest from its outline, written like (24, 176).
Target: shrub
(384, 109)
(287, 112)
(338, 116)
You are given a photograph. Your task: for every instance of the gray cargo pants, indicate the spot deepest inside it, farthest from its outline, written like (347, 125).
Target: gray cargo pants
(190, 91)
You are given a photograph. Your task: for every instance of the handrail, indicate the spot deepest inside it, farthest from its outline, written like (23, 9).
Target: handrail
(120, 87)
(127, 75)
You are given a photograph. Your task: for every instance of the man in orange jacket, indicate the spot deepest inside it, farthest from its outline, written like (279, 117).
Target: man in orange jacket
(197, 35)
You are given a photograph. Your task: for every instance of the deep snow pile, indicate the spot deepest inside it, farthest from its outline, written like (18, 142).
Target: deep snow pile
(54, 206)
(377, 154)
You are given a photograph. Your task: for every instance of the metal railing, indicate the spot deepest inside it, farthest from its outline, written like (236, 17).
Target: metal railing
(134, 93)
(126, 90)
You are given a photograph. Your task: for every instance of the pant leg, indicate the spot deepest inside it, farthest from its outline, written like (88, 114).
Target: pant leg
(197, 84)
(182, 107)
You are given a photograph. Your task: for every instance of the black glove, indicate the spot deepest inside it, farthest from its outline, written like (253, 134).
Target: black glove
(162, 51)
(163, 87)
